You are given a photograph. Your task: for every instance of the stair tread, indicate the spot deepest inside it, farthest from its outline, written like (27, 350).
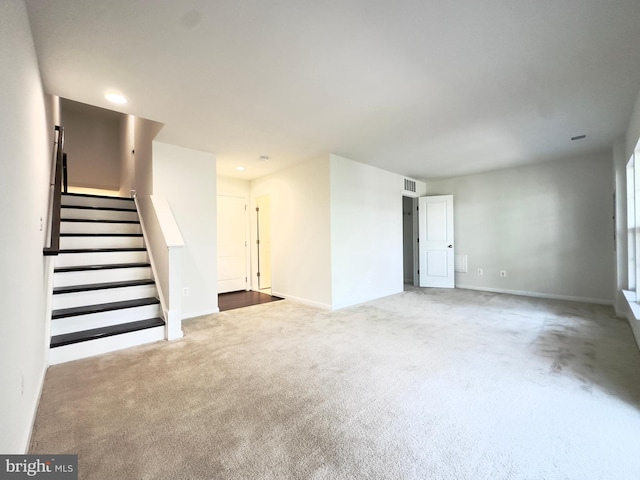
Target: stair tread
(98, 220)
(93, 195)
(89, 207)
(107, 266)
(102, 286)
(101, 235)
(102, 307)
(100, 250)
(93, 334)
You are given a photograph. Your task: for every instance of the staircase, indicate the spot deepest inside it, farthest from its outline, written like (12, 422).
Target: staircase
(104, 297)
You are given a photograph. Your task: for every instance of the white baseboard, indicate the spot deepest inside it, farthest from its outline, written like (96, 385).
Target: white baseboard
(550, 296)
(188, 315)
(35, 407)
(304, 301)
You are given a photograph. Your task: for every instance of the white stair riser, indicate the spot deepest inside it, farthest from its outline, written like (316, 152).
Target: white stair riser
(65, 279)
(107, 295)
(100, 242)
(97, 227)
(97, 214)
(79, 323)
(99, 258)
(99, 346)
(97, 202)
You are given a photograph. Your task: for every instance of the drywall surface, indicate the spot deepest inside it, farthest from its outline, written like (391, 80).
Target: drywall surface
(549, 226)
(631, 140)
(187, 180)
(127, 148)
(144, 131)
(620, 186)
(24, 184)
(92, 144)
(300, 231)
(233, 187)
(366, 232)
(633, 130)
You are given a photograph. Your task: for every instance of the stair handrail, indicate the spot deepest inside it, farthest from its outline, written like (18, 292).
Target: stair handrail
(56, 187)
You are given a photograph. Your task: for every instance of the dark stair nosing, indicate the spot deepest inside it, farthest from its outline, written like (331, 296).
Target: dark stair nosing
(102, 250)
(111, 330)
(101, 235)
(102, 307)
(88, 207)
(107, 266)
(97, 220)
(102, 286)
(93, 195)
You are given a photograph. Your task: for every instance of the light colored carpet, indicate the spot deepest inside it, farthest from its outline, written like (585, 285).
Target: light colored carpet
(437, 384)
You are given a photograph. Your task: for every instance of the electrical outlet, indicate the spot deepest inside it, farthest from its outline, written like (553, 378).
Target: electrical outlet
(185, 292)
(480, 271)
(503, 273)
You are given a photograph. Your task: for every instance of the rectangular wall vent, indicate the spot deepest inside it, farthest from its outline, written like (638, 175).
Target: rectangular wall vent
(409, 185)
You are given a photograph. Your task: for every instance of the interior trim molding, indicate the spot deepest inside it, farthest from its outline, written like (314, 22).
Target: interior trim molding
(550, 296)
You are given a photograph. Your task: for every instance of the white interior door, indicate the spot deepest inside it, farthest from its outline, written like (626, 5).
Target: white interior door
(436, 247)
(232, 244)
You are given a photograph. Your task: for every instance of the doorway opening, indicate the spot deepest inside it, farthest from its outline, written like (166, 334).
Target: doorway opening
(241, 299)
(263, 243)
(410, 240)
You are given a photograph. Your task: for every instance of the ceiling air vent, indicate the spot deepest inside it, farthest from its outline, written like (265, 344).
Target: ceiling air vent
(409, 185)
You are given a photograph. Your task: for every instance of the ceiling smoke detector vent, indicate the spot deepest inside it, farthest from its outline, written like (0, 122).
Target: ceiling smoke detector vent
(264, 158)
(578, 137)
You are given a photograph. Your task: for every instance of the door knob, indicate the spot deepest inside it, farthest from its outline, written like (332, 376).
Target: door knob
(450, 246)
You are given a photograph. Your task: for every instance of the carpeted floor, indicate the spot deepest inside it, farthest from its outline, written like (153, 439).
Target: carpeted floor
(427, 384)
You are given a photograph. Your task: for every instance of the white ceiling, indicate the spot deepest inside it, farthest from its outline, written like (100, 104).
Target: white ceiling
(424, 88)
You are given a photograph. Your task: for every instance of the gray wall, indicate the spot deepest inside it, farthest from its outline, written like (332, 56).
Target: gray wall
(93, 145)
(24, 184)
(549, 226)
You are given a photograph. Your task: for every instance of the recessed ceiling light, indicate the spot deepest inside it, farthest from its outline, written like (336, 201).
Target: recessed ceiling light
(114, 97)
(578, 137)
(240, 169)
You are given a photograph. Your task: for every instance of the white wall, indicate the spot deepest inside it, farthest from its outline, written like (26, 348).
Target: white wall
(300, 231)
(187, 180)
(366, 232)
(24, 185)
(144, 131)
(548, 225)
(622, 152)
(92, 144)
(620, 185)
(233, 187)
(127, 145)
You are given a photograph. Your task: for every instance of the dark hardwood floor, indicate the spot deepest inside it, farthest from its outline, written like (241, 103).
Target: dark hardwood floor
(231, 300)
